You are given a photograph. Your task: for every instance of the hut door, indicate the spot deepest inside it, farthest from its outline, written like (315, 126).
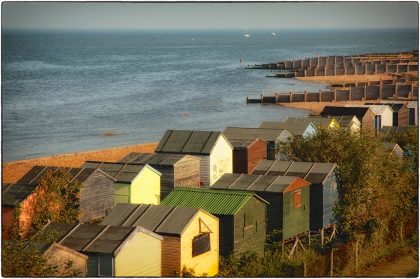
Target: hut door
(378, 123)
(296, 198)
(411, 116)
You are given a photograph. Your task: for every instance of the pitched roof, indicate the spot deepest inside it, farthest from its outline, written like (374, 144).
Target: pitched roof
(155, 159)
(188, 142)
(92, 238)
(296, 126)
(15, 194)
(161, 219)
(243, 143)
(314, 172)
(253, 133)
(218, 202)
(121, 172)
(259, 183)
(359, 112)
(377, 109)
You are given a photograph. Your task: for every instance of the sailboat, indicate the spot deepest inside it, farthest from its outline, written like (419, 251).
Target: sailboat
(273, 34)
(246, 33)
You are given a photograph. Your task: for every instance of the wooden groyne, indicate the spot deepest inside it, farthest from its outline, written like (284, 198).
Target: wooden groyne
(368, 64)
(360, 92)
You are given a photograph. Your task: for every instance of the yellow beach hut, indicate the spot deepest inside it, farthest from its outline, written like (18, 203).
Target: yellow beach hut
(190, 236)
(134, 183)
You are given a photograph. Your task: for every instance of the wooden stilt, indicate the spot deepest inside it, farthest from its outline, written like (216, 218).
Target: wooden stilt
(309, 238)
(322, 237)
(293, 247)
(332, 263)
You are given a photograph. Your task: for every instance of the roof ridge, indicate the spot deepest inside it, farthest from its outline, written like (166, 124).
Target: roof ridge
(96, 237)
(233, 182)
(185, 143)
(132, 213)
(213, 190)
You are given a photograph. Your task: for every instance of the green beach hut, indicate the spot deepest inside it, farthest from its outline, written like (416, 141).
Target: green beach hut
(242, 215)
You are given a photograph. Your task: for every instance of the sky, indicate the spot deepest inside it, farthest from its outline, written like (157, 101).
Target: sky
(279, 15)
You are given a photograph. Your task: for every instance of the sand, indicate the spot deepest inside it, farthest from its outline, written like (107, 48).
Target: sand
(13, 171)
(346, 78)
(317, 107)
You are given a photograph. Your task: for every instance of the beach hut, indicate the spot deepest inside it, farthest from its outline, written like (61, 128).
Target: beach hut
(288, 197)
(298, 127)
(176, 169)
(241, 216)
(68, 262)
(364, 114)
(392, 147)
(134, 183)
(413, 115)
(212, 147)
(247, 153)
(323, 122)
(271, 136)
(323, 190)
(96, 186)
(383, 115)
(190, 236)
(113, 251)
(348, 121)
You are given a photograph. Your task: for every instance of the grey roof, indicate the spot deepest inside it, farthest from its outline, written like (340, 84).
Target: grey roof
(235, 133)
(188, 142)
(15, 194)
(165, 220)
(92, 238)
(155, 159)
(243, 143)
(296, 126)
(255, 183)
(121, 172)
(313, 172)
(359, 112)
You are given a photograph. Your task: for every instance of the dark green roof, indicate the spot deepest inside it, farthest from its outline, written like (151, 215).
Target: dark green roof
(188, 142)
(219, 202)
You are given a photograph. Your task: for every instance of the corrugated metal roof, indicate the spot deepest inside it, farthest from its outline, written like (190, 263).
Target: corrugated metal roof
(296, 127)
(161, 219)
(235, 133)
(187, 142)
(255, 183)
(15, 194)
(121, 172)
(314, 172)
(153, 159)
(216, 202)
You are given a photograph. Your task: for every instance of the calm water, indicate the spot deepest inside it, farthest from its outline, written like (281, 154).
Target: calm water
(62, 91)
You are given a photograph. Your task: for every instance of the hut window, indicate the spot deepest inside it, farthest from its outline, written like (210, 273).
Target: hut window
(201, 244)
(296, 199)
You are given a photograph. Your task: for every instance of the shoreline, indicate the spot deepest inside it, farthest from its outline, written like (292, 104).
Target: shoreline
(12, 171)
(317, 107)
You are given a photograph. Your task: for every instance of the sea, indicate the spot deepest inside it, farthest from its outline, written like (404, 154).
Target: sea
(70, 91)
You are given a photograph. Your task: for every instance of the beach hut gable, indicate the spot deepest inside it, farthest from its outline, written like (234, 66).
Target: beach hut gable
(212, 147)
(134, 183)
(112, 250)
(323, 189)
(178, 226)
(177, 169)
(95, 186)
(241, 215)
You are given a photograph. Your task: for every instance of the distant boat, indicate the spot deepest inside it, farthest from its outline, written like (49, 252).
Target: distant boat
(273, 34)
(246, 33)
(390, 43)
